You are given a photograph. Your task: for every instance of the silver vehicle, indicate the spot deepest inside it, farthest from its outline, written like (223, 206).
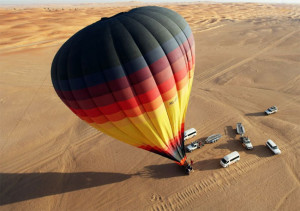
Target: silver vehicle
(194, 145)
(271, 110)
(213, 138)
(240, 128)
(273, 147)
(246, 142)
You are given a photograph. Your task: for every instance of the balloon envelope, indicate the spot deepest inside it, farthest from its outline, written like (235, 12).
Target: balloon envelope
(130, 76)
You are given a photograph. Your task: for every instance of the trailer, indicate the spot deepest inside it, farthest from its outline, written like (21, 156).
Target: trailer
(213, 138)
(240, 129)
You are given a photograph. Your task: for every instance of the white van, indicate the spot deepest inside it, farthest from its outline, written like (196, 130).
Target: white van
(272, 146)
(190, 133)
(229, 159)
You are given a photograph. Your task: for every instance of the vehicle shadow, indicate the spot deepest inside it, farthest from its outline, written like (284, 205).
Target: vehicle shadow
(232, 145)
(20, 187)
(202, 139)
(256, 114)
(236, 145)
(162, 171)
(205, 165)
(261, 151)
(230, 132)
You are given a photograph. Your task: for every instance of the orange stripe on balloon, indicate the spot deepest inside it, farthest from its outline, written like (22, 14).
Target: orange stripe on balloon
(180, 75)
(169, 94)
(116, 116)
(153, 105)
(134, 112)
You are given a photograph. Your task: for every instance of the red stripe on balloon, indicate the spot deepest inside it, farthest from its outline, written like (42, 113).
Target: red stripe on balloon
(134, 102)
(134, 78)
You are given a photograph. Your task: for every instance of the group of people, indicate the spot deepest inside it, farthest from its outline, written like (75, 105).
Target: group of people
(188, 167)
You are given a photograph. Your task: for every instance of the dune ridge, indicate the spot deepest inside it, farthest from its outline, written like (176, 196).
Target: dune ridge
(52, 25)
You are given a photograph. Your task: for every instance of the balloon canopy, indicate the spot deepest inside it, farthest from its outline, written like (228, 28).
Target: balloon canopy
(130, 76)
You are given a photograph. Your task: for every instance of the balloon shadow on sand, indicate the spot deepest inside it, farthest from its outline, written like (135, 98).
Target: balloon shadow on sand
(20, 187)
(162, 171)
(205, 165)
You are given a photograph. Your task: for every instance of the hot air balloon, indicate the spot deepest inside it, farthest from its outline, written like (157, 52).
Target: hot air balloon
(130, 76)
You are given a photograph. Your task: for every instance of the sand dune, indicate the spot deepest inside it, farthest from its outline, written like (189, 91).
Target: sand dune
(247, 59)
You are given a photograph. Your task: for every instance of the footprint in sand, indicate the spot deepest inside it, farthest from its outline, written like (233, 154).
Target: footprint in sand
(156, 197)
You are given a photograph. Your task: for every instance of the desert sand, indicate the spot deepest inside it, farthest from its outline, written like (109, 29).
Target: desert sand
(247, 59)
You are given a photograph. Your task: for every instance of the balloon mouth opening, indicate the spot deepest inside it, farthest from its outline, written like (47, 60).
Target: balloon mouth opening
(182, 162)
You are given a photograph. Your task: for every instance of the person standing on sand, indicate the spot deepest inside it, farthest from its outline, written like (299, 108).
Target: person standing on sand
(192, 162)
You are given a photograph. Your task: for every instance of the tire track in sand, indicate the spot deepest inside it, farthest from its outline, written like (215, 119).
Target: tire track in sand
(244, 61)
(200, 190)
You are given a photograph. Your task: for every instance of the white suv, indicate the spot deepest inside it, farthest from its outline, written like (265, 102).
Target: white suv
(271, 110)
(272, 146)
(246, 142)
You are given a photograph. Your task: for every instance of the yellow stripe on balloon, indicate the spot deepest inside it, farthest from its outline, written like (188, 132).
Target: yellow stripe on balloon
(152, 128)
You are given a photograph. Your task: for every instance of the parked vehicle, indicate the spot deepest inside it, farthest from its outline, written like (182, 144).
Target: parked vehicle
(273, 147)
(271, 110)
(240, 129)
(246, 142)
(230, 159)
(194, 145)
(190, 133)
(213, 138)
